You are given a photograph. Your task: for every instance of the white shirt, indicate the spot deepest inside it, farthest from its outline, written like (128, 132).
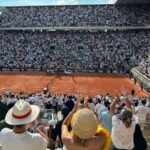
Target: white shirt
(32, 99)
(102, 110)
(60, 101)
(141, 113)
(98, 107)
(25, 141)
(54, 102)
(91, 106)
(11, 100)
(122, 137)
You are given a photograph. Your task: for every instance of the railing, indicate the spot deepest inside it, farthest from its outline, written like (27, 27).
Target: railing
(141, 78)
(81, 28)
(48, 114)
(66, 71)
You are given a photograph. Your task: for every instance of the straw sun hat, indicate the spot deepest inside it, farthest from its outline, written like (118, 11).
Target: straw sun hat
(22, 113)
(84, 124)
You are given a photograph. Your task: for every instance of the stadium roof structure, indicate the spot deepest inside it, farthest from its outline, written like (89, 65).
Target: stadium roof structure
(135, 2)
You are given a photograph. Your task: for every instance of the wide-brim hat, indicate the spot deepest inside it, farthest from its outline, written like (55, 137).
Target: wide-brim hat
(84, 123)
(22, 113)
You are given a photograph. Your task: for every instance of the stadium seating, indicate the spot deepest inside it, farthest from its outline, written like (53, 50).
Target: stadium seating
(74, 51)
(58, 16)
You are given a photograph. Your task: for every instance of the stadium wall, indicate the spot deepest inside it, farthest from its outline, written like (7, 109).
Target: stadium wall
(141, 79)
(82, 28)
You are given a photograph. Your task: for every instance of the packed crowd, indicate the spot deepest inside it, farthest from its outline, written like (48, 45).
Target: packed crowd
(90, 119)
(144, 67)
(73, 50)
(92, 123)
(56, 16)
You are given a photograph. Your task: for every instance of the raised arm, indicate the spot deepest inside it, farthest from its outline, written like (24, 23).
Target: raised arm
(65, 133)
(127, 103)
(39, 129)
(113, 106)
(86, 102)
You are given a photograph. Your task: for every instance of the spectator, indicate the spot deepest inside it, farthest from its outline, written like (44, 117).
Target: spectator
(103, 109)
(68, 16)
(84, 127)
(69, 103)
(20, 115)
(54, 103)
(122, 122)
(3, 109)
(98, 106)
(52, 135)
(111, 50)
(135, 80)
(123, 127)
(65, 111)
(60, 101)
(141, 84)
(141, 111)
(132, 92)
(144, 67)
(106, 119)
(91, 104)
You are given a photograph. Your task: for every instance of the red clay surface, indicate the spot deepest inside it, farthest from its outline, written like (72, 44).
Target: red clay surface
(83, 83)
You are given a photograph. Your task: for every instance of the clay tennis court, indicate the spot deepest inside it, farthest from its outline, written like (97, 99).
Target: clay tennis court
(83, 83)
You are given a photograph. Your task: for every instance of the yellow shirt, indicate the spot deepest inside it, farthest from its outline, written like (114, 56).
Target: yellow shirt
(102, 131)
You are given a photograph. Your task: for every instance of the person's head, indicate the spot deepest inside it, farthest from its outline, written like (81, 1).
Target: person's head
(143, 101)
(21, 93)
(106, 103)
(99, 100)
(126, 117)
(136, 103)
(1, 97)
(45, 90)
(65, 111)
(90, 100)
(21, 114)
(12, 96)
(70, 97)
(52, 124)
(84, 125)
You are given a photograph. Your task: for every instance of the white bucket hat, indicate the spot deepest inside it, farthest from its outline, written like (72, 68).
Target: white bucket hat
(22, 113)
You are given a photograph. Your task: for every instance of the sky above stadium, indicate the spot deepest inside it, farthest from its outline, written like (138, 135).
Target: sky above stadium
(52, 2)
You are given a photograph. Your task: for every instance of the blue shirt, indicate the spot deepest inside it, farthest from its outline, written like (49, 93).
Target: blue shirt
(103, 109)
(106, 120)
